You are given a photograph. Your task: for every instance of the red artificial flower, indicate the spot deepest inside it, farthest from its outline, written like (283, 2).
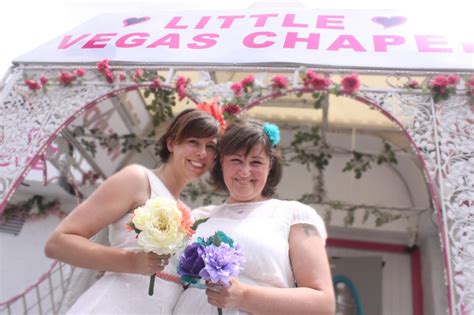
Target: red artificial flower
(316, 80)
(102, 65)
(439, 81)
(44, 80)
(413, 84)
(350, 84)
(232, 109)
(122, 76)
(109, 76)
(237, 88)
(181, 84)
(279, 82)
(452, 79)
(80, 72)
(248, 81)
(215, 111)
(33, 85)
(137, 75)
(66, 78)
(156, 84)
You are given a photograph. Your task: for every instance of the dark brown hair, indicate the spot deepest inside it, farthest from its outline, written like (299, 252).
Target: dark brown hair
(189, 123)
(245, 134)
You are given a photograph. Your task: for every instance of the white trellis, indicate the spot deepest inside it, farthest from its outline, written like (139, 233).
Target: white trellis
(442, 135)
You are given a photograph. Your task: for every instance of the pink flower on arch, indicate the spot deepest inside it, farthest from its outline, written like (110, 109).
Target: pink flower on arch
(350, 84)
(44, 80)
(316, 80)
(248, 81)
(156, 84)
(32, 85)
(109, 76)
(122, 76)
(236, 87)
(80, 72)
(181, 85)
(453, 79)
(102, 65)
(440, 81)
(66, 77)
(279, 82)
(137, 75)
(413, 84)
(232, 109)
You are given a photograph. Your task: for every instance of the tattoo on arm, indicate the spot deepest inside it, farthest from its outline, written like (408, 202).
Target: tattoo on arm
(310, 230)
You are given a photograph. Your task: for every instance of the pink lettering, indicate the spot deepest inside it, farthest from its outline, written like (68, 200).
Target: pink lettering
(202, 22)
(66, 44)
(173, 24)
(325, 21)
(206, 39)
(262, 19)
(229, 19)
(340, 43)
(289, 21)
(249, 40)
(134, 42)
(170, 40)
(382, 41)
(312, 42)
(93, 42)
(426, 43)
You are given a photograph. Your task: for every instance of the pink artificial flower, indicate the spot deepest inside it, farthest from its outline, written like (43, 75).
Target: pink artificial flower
(413, 84)
(156, 84)
(439, 81)
(109, 76)
(248, 81)
(279, 82)
(33, 85)
(237, 88)
(181, 84)
(102, 65)
(318, 81)
(453, 79)
(44, 80)
(470, 83)
(122, 76)
(138, 74)
(80, 72)
(232, 109)
(66, 78)
(350, 84)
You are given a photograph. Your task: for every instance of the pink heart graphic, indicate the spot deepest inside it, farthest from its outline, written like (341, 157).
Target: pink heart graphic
(387, 22)
(134, 20)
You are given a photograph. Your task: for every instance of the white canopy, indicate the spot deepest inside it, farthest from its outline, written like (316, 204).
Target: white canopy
(320, 38)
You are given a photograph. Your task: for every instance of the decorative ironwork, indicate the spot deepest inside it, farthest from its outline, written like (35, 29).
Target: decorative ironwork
(442, 135)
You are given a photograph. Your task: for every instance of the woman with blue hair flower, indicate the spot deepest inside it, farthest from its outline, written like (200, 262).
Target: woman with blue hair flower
(286, 269)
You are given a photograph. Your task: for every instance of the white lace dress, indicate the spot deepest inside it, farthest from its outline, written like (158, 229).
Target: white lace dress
(124, 293)
(262, 229)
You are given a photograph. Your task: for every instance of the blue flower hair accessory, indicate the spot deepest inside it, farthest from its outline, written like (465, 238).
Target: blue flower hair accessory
(273, 133)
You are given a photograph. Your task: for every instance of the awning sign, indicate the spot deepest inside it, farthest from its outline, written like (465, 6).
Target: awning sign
(323, 38)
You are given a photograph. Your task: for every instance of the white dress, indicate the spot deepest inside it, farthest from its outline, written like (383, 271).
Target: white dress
(262, 228)
(124, 293)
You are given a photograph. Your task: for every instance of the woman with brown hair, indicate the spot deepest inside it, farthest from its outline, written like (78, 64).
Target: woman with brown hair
(188, 150)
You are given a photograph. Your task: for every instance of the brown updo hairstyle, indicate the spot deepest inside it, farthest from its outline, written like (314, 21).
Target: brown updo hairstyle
(189, 123)
(245, 134)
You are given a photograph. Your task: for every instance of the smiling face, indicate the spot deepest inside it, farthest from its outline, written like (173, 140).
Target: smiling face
(192, 157)
(246, 175)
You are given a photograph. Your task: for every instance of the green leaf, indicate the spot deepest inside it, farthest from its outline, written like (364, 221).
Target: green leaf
(199, 222)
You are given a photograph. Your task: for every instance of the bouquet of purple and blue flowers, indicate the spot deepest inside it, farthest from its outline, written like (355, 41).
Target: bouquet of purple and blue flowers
(215, 259)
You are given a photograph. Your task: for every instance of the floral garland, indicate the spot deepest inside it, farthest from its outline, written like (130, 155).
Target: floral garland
(441, 87)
